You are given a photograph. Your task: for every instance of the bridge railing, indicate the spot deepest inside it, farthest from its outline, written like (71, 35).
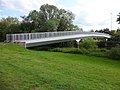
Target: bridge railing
(31, 36)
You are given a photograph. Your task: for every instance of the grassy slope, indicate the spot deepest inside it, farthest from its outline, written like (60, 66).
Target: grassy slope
(22, 69)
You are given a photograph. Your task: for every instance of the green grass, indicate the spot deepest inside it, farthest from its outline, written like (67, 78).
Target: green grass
(22, 69)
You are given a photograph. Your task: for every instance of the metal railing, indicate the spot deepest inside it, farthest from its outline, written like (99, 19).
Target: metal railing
(31, 36)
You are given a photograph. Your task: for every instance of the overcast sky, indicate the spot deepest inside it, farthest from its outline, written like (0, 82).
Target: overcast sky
(89, 14)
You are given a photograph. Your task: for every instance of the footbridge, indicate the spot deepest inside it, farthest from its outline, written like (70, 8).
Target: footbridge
(35, 39)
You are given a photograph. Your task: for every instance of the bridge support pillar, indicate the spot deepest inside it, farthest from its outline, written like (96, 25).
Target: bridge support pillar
(78, 40)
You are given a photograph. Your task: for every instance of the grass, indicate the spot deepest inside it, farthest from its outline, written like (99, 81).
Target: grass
(23, 69)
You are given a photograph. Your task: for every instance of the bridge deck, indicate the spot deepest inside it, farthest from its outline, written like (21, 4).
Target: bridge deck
(35, 39)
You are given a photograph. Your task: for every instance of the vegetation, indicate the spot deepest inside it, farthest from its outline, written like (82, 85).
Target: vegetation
(9, 25)
(115, 52)
(49, 18)
(22, 69)
(91, 52)
(87, 47)
(111, 42)
(118, 19)
(88, 44)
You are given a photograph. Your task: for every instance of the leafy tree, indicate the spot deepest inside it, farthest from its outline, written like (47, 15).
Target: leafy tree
(49, 12)
(48, 18)
(66, 19)
(111, 42)
(106, 30)
(76, 28)
(49, 15)
(27, 24)
(42, 20)
(9, 25)
(118, 19)
(91, 30)
(51, 25)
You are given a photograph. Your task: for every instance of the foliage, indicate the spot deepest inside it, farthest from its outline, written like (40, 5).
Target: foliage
(49, 18)
(91, 52)
(106, 30)
(115, 52)
(118, 19)
(71, 43)
(66, 18)
(114, 40)
(67, 50)
(9, 25)
(51, 25)
(111, 42)
(88, 44)
(27, 26)
(67, 44)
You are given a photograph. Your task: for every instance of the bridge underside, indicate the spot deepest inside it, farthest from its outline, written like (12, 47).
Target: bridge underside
(45, 41)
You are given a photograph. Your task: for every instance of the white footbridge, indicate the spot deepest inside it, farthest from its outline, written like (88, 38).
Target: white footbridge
(36, 39)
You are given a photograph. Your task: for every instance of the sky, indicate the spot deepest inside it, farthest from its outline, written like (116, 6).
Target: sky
(89, 14)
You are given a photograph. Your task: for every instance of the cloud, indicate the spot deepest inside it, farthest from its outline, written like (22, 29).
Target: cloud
(90, 14)
(24, 5)
(96, 13)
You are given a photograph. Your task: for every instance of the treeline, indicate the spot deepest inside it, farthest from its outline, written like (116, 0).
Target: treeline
(95, 47)
(101, 47)
(48, 19)
(110, 42)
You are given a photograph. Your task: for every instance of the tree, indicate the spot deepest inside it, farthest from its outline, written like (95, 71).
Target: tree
(51, 25)
(9, 25)
(92, 30)
(49, 12)
(111, 42)
(106, 30)
(118, 19)
(48, 18)
(43, 20)
(66, 20)
(27, 24)
(76, 28)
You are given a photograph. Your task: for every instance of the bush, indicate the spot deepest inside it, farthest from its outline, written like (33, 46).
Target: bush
(56, 50)
(91, 52)
(73, 50)
(40, 48)
(88, 44)
(67, 50)
(115, 53)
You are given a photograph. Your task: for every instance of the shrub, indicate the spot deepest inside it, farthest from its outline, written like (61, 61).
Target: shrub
(115, 53)
(56, 50)
(75, 51)
(40, 48)
(88, 44)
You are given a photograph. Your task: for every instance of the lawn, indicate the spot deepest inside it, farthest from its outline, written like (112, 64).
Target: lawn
(23, 69)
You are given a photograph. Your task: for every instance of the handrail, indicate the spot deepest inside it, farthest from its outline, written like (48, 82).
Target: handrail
(31, 36)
